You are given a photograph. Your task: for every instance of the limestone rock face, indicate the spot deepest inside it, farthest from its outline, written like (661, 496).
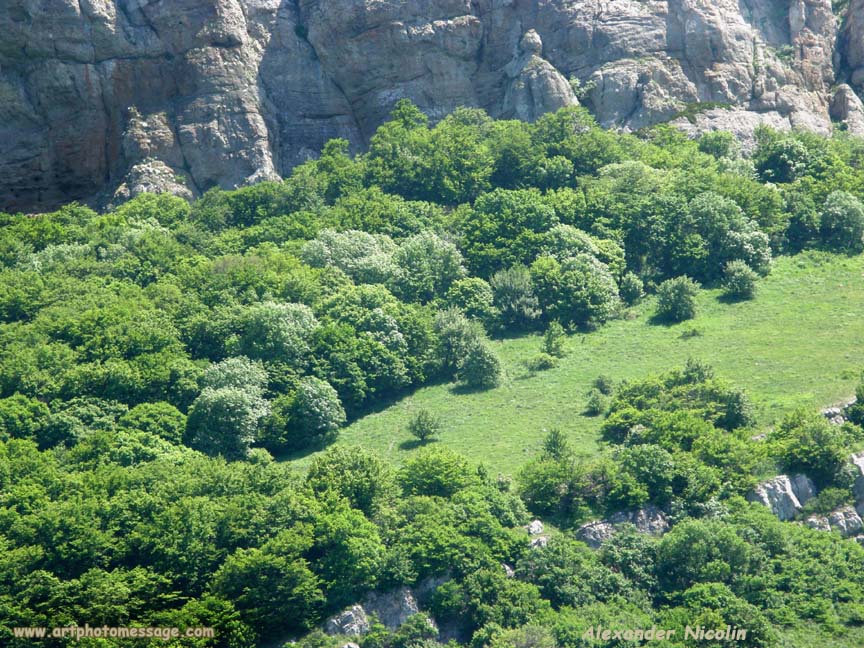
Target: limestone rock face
(351, 622)
(847, 521)
(858, 488)
(595, 533)
(535, 528)
(228, 92)
(648, 519)
(844, 520)
(785, 496)
(392, 608)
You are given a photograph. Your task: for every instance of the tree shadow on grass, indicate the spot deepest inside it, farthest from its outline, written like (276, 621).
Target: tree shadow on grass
(734, 299)
(463, 390)
(413, 444)
(319, 444)
(662, 320)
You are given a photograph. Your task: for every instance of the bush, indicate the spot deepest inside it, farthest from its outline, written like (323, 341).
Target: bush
(632, 289)
(309, 416)
(604, 384)
(541, 362)
(424, 425)
(676, 299)
(597, 404)
(514, 297)
(224, 421)
(554, 339)
(739, 281)
(480, 367)
(842, 222)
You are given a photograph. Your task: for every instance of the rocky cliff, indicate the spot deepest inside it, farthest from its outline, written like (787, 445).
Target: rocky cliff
(99, 97)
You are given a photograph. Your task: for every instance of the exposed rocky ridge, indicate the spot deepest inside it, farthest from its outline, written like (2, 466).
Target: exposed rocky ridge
(97, 95)
(784, 495)
(649, 519)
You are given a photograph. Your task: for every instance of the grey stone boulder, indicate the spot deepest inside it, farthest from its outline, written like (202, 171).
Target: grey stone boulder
(818, 522)
(535, 528)
(351, 622)
(649, 519)
(847, 521)
(785, 496)
(392, 608)
(595, 533)
(539, 542)
(858, 487)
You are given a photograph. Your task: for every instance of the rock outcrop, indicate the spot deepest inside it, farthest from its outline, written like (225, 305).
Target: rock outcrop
(391, 609)
(785, 496)
(649, 519)
(351, 622)
(99, 97)
(845, 521)
(858, 487)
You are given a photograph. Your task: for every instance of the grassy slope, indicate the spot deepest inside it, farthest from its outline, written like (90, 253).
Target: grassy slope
(799, 342)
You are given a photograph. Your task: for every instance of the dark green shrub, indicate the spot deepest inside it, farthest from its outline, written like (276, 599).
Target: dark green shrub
(541, 362)
(597, 404)
(632, 289)
(739, 281)
(480, 367)
(676, 299)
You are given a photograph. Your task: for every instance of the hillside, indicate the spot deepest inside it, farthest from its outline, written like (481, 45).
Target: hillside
(796, 345)
(185, 387)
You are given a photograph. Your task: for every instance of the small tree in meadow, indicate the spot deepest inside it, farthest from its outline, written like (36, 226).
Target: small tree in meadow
(739, 281)
(424, 426)
(554, 339)
(676, 299)
(480, 367)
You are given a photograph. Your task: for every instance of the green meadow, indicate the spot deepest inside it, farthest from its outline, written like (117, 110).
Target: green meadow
(798, 343)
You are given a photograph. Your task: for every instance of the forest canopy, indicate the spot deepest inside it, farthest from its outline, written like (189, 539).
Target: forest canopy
(162, 362)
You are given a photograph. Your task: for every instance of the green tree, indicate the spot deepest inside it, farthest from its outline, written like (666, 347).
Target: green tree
(424, 425)
(162, 419)
(274, 331)
(238, 372)
(273, 587)
(579, 290)
(225, 421)
(22, 418)
(842, 222)
(474, 297)
(355, 474)
(308, 416)
(480, 367)
(435, 471)
(631, 289)
(676, 299)
(739, 281)
(513, 291)
(426, 266)
(554, 340)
